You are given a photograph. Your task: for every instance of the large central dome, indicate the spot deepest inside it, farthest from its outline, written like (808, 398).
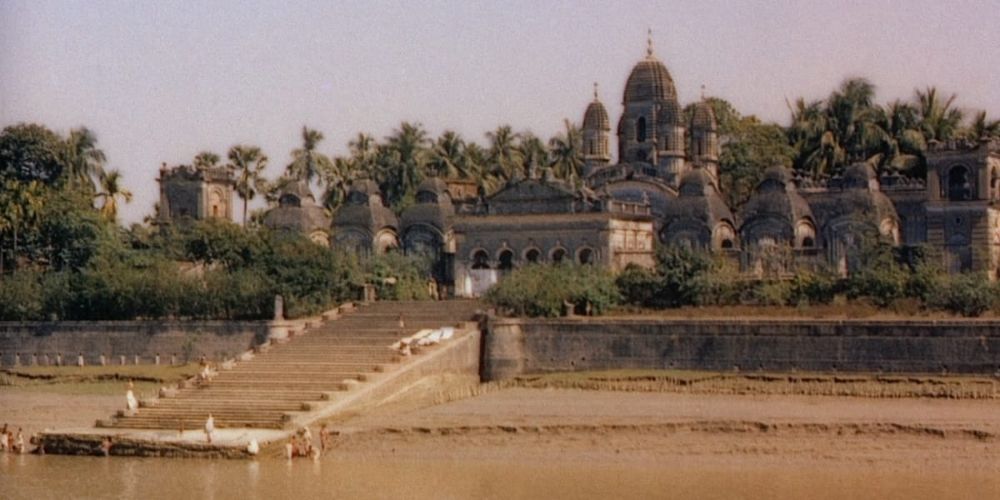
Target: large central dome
(649, 81)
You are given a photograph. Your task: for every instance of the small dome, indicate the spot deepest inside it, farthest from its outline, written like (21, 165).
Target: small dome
(697, 182)
(596, 117)
(294, 193)
(433, 185)
(704, 117)
(649, 81)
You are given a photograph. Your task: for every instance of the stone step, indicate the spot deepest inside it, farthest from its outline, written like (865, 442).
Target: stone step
(251, 393)
(197, 424)
(290, 368)
(199, 404)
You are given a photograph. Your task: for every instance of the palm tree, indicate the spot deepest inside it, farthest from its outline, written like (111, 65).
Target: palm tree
(20, 205)
(567, 153)
(364, 151)
(84, 161)
(503, 155)
(531, 150)
(206, 159)
(111, 190)
(307, 163)
(828, 134)
(981, 127)
(336, 180)
(247, 162)
(403, 160)
(447, 158)
(939, 120)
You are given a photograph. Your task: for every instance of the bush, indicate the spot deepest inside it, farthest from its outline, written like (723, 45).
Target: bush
(813, 288)
(966, 294)
(22, 297)
(638, 285)
(540, 290)
(399, 277)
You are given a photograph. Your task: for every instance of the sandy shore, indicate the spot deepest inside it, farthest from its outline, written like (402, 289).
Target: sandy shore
(36, 410)
(671, 428)
(653, 428)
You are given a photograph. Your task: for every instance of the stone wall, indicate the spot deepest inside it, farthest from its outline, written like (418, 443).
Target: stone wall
(185, 340)
(524, 346)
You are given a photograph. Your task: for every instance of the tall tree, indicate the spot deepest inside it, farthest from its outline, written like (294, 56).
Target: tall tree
(248, 163)
(20, 205)
(307, 163)
(939, 119)
(566, 150)
(84, 162)
(403, 161)
(206, 159)
(111, 190)
(447, 158)
(31, 152)
(503, 157)
(982, 128)
(364, 151)
(532, 151)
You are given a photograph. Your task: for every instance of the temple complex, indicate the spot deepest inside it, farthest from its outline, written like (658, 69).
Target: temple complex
(663, 188)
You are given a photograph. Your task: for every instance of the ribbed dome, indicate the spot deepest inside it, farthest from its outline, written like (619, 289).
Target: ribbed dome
(650, 81)
(596, 117)
(704, 117)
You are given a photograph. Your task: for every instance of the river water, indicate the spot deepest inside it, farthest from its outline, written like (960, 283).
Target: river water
(39, 477)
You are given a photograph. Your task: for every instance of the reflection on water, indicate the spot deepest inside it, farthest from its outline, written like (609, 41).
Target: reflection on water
(92, 477)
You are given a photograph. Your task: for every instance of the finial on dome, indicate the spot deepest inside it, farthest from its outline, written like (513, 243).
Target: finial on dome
(595, 91)
(649, 42)
(703, 92)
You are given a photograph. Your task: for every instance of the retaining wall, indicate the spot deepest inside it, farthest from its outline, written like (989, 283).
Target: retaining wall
(41, 342)
(523, 346)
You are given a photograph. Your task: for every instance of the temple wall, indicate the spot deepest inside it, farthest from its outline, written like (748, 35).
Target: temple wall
(524, 346)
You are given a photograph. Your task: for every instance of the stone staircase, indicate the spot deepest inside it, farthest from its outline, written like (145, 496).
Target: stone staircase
(289, 378)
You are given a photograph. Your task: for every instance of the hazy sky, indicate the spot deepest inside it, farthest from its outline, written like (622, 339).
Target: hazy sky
(160, 80)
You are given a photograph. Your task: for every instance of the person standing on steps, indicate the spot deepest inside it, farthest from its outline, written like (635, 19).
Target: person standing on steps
(209, 428)
(131, 403)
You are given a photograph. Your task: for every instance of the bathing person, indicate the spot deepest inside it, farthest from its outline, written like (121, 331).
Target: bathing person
(19, 442)
(324, 438)
(106, 446)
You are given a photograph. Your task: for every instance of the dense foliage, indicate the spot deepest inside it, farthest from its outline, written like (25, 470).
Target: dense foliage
(549, 290)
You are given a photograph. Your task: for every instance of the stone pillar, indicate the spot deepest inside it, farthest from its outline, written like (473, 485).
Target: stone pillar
(121, 359)
(279, 308)
(136, 359)
(17, 359)
(58, 359)
(156, 359)
(103, 360)
(503, 350)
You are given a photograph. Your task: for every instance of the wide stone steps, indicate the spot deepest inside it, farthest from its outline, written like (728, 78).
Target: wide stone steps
(293, 376)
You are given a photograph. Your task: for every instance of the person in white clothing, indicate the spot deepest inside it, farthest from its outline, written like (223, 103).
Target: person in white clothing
(209, 427)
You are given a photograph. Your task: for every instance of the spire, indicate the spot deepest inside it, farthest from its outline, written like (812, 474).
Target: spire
(595, 92)
(703, 92)
(649, 42)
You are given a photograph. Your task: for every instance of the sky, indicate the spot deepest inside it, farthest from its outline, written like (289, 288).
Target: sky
(159, 81)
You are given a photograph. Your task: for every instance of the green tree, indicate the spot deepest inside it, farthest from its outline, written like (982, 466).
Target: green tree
(31, 152)
(248, 163)
(447, 158)
(111, 191)
(567, 152)
(307, 163)
(532, 151)
(939, 118)
(206, 159)
(84, 162)
(503, 155)
(402, 162)
(20, 205)
(982, 128)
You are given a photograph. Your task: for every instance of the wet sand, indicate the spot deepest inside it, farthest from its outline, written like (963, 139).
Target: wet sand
(36, 410)
(672, 429)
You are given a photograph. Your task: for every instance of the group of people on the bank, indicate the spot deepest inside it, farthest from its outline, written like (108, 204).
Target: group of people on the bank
(11, 442)
(301, 444)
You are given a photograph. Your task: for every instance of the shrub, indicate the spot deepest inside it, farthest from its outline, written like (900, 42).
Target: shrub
(638, 286)
(399, 277)
(813, 288)
(21, 297)
(966, 294)
(541, 290)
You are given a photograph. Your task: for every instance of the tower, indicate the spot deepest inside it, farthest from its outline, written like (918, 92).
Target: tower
(651, 129)
(196, 193)
(704, 146)
(596, 131)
